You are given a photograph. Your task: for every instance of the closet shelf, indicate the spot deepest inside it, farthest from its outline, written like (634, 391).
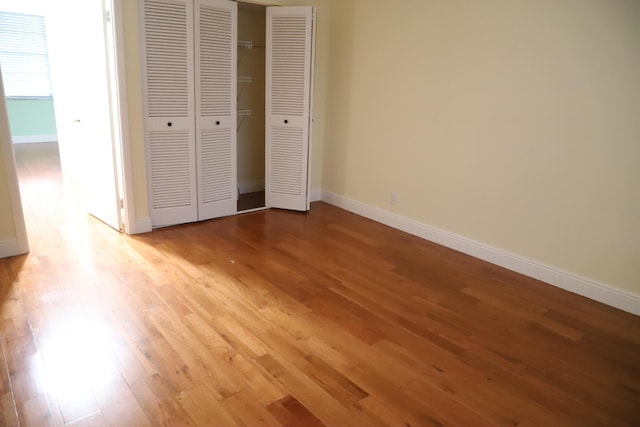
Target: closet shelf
(248, 44)
(245, 79)
(244, 112)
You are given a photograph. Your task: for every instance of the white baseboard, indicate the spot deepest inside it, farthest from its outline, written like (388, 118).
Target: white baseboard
(142, 225)
(251, 186)
(26, 139)
(10, 248)
(606, 294)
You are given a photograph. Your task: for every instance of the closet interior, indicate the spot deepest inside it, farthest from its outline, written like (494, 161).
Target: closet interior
(251, 106)
(227, 89)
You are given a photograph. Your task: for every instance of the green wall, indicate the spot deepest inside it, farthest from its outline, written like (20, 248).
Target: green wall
(29, 117)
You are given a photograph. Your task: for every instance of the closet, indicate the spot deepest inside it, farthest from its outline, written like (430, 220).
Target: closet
(252, 35)
(196, 105)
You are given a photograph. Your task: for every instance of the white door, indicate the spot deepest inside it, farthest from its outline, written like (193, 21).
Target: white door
(167, 47)
(215, 94)
(288, 106)
(83, 105)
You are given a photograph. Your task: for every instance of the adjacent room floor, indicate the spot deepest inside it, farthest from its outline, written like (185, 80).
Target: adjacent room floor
(289, 319)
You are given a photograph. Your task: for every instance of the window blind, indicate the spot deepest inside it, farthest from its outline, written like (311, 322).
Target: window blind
(24, 56)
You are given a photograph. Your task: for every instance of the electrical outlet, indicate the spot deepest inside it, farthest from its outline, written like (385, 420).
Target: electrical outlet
(394, 198)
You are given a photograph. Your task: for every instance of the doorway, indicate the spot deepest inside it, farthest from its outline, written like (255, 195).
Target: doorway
(29, 102)
(87, 123)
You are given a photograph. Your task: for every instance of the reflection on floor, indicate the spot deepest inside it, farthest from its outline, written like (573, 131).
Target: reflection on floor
(53, 346)
(251, 201)
(282, 318)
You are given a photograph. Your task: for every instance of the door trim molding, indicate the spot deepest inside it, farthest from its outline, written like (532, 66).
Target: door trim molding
(31, 139)
(129, 214)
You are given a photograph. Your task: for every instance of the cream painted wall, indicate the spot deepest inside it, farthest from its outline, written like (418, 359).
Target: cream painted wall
(7, 228)
(12, 232)
(133, 78)
(515, 124)
(134, 92)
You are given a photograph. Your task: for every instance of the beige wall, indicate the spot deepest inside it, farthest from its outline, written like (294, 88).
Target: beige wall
(7, 221)
(134, 106)
(512, 123)
(134, 99)
(7, 228)
(13, 234)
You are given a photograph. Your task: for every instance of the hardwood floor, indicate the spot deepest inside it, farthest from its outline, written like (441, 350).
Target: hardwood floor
(287, 319)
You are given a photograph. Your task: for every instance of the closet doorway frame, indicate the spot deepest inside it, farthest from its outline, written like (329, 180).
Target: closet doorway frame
(166, 214)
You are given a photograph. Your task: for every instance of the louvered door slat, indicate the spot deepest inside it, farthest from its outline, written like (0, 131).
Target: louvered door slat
(215, 61)
(215, 160)
(216, 53)
(286, 167)
(289, 62)
(289, 65)
(170, 170)
(166, 51)
(167, 30)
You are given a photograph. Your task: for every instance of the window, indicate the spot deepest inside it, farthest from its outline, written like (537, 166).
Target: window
(23, 56)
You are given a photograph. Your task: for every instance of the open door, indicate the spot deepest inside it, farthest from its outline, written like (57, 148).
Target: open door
(216, 50)
(288, 106)
(82, 101)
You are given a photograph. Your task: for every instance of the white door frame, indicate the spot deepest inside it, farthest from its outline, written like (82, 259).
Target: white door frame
(121, 135)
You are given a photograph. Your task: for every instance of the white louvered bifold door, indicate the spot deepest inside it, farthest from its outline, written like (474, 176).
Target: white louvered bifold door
(215, 58)
(288, 98)
(167, 49)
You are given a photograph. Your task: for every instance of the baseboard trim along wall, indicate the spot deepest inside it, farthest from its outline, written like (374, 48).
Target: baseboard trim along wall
(596, 291)
(28, 139)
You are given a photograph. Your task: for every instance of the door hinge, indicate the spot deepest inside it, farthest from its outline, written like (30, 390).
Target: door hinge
(107, 14)
(121, 203)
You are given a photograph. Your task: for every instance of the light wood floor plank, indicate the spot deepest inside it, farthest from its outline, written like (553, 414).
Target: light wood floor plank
(290, 319)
